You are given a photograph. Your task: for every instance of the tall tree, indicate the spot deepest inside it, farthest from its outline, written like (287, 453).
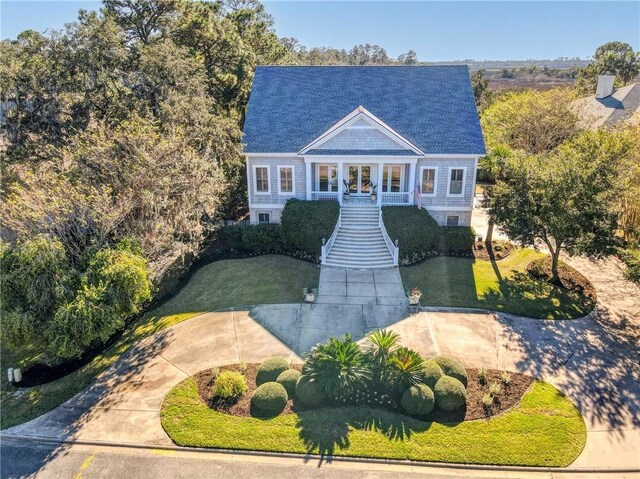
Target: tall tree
(494, 167)
(564, 199)
(480, 87)
(616, 58)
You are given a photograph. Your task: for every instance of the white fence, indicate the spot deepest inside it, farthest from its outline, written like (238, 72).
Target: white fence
(393, 248)
(324, 195)
(400, 198)
(326, 246)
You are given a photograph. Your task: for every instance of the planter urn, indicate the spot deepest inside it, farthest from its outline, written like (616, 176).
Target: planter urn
(309, 297)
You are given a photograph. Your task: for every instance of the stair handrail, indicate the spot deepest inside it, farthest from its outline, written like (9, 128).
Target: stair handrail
(393, 248)
(327, 245)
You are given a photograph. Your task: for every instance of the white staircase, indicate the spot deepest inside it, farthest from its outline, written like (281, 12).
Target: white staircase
(359, 242)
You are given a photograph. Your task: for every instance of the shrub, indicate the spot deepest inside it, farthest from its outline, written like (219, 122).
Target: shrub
(415, 229)
(338, 366)
(487, 400)
(379, 349)
(270, 398)
(408, 368)
(215, 372)
(305, 223)
(453, 368)
(308, 392)
(289, 379)
(506, 378)
(431, 372)
(271, 369)
(495, 389)
(631, 257)
(230, 385)
(418, 400)
(455, 239)
(482, 375)
(449, 394)
(264, 238)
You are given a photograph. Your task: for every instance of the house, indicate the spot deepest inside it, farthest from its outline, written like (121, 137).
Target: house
(609, 107)
(410, 135)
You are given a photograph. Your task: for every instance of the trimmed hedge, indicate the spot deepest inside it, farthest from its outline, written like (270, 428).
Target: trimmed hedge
(264, 238)
(455, 239)
(305, 223)
(271, 369)
(415, 229)
(289, 379)
(308, 392)
(453, 368)
(270, 398)
(418, 400)
(432, 372)
(450, 394)
(631, 257)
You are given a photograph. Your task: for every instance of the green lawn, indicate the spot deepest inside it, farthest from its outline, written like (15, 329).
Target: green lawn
(219, 285)
(500, 286)
(545, 429)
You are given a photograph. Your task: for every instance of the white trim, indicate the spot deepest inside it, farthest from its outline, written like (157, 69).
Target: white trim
(258, 213)
(255, 177)
(267, 206)
(356, 115)
(475, 181)
(366, 159)
(448, 208)
(388, 168)
(256, 155)
(435, 181)
(454, 156)
(464, 181)
(316, 185)
(293, 180)
(446, 220)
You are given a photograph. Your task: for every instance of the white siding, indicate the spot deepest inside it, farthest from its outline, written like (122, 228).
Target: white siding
(443, 167)
(272, 163)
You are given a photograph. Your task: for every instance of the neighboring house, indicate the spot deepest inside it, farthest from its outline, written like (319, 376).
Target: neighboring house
(609, 107)
(408, 130)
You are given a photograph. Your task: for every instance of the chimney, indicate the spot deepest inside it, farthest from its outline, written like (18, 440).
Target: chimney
(605, 86)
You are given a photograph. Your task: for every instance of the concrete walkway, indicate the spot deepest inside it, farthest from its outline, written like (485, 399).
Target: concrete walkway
(382, 286)
(593, 360)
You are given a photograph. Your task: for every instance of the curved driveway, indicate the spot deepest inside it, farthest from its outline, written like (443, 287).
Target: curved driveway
(594, 360)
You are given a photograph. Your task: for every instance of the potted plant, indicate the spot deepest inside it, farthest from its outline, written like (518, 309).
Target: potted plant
(372, 189)
(347, 192)
(309, 294)
(414, 295)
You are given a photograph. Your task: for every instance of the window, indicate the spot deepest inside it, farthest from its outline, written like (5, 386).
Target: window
(263, 218)
(261, 174)
(452, 220)
(395, 173)
(327, 178)
(456, 181)
(285, 184)
(428, 181)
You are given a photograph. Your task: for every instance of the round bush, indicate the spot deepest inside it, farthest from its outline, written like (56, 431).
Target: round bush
(418, 400)
(432, 372)
(308, 392)
(270, 398)
(451, 367)
(289, 379)
(449, 394)
(230, 384)
(270, 370)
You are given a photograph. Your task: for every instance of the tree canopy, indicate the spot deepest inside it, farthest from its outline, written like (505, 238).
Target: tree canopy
(615, 58)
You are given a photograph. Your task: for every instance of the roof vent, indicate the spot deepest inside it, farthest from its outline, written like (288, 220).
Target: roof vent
(605, 86)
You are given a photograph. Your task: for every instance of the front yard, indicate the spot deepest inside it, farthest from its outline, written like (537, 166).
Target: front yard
(219, 285)
(501, 285)
(545, 429)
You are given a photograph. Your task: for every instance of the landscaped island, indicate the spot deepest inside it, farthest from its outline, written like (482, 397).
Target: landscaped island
(377, 400)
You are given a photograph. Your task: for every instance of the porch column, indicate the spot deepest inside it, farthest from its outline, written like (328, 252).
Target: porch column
(379, 189)
(308, 178)
(412, 181)
(340, 173)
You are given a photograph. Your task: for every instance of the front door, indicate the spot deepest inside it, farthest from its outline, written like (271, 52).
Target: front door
(359, 179)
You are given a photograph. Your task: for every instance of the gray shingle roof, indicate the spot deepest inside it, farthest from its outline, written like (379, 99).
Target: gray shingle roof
(321, 151)
(431, 106)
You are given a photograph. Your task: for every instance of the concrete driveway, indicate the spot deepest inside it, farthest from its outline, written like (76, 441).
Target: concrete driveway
(593, 360)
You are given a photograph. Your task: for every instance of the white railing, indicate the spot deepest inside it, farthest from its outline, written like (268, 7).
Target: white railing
(400, 198)
(324, 195)
(326, 246)
(393, 247)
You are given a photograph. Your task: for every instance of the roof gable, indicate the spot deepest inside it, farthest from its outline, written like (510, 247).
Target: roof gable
(360, 129)
(430, 107)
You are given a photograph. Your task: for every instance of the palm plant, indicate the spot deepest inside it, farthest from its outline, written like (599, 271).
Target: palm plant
(380, 346)
(337, 366)
(407, 366)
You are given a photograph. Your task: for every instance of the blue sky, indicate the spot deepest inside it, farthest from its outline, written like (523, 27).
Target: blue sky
(437, 31)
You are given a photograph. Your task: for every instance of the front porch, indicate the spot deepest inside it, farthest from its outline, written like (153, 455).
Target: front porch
(390, 178)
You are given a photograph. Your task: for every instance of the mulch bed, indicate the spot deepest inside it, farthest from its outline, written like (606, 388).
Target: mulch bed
(571, 278)
(509, 397)
(499, 249)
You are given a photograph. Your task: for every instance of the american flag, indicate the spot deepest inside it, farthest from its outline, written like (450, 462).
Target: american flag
(418, 195)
